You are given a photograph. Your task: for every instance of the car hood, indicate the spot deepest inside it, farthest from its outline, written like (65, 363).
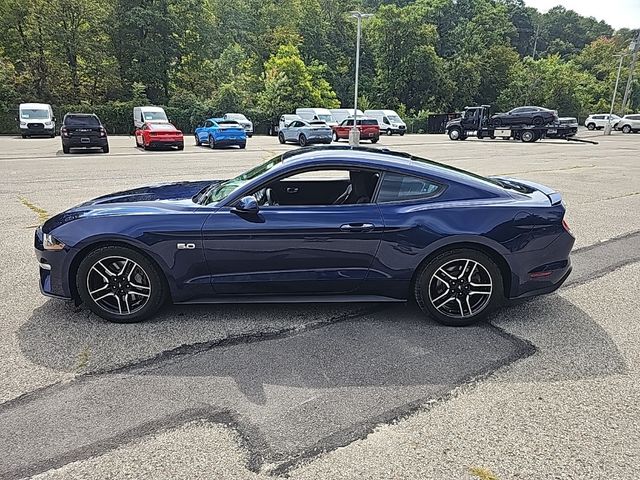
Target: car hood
(150, 199)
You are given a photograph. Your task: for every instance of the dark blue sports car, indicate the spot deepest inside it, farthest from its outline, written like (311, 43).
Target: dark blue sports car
(312, 225)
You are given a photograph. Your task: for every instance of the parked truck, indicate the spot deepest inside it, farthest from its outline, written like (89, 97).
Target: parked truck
(476, 121)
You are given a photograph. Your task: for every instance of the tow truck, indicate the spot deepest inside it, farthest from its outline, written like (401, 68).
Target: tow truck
(476, 121)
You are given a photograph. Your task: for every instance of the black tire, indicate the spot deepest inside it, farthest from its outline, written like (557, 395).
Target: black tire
(402, 134)
(198, 143)
(389, 132)
(281, 137)
(427, 285)
(591, 126)
(249, 135)
(212, 142)
(243, 145)
(374, 140)
(528, 136)
(153, 277)
(480, 136)
(53, 135)
(538, 121)
(626, 129)
(335, 137)
(302, 140)
(24, 136)
(181, 147)
(105, 149)
(455, 133)
(66, 149)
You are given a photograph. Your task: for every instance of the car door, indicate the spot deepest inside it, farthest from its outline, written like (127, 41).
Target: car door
(292, 249)
(291, 133)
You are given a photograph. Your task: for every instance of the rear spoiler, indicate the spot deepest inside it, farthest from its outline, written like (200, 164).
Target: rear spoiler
(554, 197)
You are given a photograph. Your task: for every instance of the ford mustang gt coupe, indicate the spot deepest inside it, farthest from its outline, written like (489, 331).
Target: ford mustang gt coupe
(537, 116)
(159, 134)
(316, 224)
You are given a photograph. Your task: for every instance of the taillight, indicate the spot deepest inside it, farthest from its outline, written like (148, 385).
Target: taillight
(103, 132)
(565, 225)
(64, 132)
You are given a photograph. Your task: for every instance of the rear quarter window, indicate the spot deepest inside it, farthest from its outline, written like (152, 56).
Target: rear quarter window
(396, 187)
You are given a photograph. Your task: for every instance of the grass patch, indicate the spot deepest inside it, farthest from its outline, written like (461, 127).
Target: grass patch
(482, 473)
(43, 215)
(83, 359)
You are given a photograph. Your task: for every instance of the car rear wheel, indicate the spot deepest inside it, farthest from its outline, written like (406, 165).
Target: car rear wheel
(374, 140)
(302, 140)
(66, 149)
(626, 129)
(243, 145)
(197, 141)
(120, 284)
(459, 287)
(538, 121)
(335, 137)
(389, 132)
(212, 142)
(281, 137)
(105, 149)
(591, 126)
(181, 147)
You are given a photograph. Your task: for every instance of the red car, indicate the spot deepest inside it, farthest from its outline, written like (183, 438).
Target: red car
(369, 129)
(152, 135)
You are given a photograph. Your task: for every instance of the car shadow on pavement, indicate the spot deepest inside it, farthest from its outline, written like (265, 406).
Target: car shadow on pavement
(291, 395)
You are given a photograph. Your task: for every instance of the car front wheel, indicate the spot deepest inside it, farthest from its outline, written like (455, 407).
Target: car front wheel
(591, 126)
(459, 287)
(302, 140)
(120, 284)
(626, 129)
(335, 137)
(281, 138)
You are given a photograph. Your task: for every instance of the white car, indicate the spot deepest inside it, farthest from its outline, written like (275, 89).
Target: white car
(599, 121)
(148, 114)
(36, 119)
(242, 120)
(389, 121)
(629, 123)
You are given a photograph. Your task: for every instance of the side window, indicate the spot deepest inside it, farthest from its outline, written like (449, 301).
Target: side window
(208, 123)
(385, 120)
(348, 123)
(599, 117)
(396, 187)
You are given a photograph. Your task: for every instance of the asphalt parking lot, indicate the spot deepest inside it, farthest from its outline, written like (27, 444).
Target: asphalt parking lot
(546, 389)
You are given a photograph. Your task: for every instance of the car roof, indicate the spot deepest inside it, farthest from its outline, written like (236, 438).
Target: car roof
(70, 114)
(153, 125)
(35, 105)
(384, 159)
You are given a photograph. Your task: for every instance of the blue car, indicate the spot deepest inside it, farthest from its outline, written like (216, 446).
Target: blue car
(218, 132)
(316, 224)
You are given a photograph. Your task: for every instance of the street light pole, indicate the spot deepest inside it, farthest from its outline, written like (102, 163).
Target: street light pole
(607, 128)
(354, 134)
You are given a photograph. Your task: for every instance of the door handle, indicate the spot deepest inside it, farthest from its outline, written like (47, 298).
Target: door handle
(292, 189)
(357, 227)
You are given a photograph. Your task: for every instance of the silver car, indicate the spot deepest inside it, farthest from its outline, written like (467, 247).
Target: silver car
(242, 120)
(629, 123)
(305, 133)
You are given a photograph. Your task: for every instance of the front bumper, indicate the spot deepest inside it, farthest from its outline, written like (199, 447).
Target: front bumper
(54, 265)
(37, 130)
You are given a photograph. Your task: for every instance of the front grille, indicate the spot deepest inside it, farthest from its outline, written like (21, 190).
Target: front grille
(36, 125)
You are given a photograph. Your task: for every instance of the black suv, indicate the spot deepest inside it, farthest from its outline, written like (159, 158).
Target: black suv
(83, 130)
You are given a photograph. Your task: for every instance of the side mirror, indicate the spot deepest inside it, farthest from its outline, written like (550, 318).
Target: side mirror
(247, 204)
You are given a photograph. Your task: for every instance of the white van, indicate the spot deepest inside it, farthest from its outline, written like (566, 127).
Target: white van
(340, 114)
(389, 121)
(36, 119)
(142, 115)
(323, 114)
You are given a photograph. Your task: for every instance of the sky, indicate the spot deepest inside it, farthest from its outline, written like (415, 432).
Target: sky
(617, 13)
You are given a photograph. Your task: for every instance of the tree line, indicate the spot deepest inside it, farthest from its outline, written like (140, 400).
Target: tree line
(267, 57)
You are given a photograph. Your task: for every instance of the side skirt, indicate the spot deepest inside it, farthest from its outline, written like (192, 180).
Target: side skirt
(294, 299)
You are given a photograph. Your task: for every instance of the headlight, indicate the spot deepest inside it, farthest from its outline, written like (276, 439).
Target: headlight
(49, 242)
(23, 124)
(48, 124)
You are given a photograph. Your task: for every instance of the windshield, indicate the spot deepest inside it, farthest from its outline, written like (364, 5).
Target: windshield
(223, 190)
(395, 119)
(236, 116)
(36, 114)
(325, 118)
(155, 116)
(81, 121)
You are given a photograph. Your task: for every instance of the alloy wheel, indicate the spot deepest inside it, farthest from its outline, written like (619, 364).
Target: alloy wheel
(118, 285)
(460, 288)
